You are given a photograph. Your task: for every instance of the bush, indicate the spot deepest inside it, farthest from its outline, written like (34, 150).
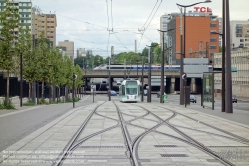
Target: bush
(6, 105)
(55, 102)
(43, 101)
(29, 103)
(70, 100)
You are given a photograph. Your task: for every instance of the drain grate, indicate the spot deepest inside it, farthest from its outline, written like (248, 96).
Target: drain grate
(161, 146)
(102, 146)
(174, 155)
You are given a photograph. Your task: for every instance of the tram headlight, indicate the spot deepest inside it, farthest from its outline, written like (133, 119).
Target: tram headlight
(135, 97)
(127, 97)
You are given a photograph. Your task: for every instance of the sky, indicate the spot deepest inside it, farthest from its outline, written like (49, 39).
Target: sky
(100, 24)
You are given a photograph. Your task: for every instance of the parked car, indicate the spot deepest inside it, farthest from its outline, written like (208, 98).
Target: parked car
(113, 93)
(234, 99)
(192, 98)
(159, 94)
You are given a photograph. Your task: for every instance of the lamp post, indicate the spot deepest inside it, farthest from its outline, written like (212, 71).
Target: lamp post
(229, 103)
(142, 79)
(149, 73)
(109, 94)
(21, 85)
(183, 50)
(162, 69)
(223, 94)
(74, 78)
(137, 69)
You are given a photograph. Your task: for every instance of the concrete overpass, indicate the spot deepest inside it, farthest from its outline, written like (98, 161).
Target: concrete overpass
(132, 74)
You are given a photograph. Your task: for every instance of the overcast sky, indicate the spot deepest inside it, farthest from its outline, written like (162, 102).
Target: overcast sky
(85, 22)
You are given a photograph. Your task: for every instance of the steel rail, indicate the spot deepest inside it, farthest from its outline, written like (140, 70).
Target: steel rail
(65, 151)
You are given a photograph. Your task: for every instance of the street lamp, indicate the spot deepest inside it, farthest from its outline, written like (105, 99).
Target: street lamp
(184, 50)
(162, 69)
(137, 69)
(223, 94)
(74, 78)
(21, 85)
(149, 74)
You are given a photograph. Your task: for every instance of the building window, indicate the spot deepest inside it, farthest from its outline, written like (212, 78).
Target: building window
(212, 47)
(212, 25)
(241, 40)
(213, 40)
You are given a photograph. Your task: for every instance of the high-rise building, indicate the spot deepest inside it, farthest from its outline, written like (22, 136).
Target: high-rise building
(46, 23)
(164, 20)
(200, 42)
(68, 47)
(81, 52)
(239, 33)
(25, 12)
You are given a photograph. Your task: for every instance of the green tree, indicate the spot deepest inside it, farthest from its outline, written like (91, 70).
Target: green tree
(9, 22)
(42, 52)
(29, 60)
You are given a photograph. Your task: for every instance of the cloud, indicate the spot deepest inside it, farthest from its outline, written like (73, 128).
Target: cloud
(127, 15)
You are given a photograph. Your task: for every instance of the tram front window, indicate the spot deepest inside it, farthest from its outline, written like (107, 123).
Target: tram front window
(131, 87)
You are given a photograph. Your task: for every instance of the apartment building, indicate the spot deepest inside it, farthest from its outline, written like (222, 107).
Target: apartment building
(200, 42)
(164, 20)
(240, 66)
(25, 12)
(68, 47)
(239, 33)
(46, 23)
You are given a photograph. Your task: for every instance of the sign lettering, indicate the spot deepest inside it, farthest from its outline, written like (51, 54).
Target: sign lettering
(203, 9)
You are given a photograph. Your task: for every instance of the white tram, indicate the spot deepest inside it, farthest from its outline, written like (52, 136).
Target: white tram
(129, 91)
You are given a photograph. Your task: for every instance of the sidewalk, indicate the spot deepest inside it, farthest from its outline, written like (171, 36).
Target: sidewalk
(18, 108)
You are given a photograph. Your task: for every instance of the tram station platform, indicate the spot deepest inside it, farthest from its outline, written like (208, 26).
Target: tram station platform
(115, 133)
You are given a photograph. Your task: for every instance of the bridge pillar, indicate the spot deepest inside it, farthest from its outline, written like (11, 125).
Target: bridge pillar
(193, 85)
(172, 85)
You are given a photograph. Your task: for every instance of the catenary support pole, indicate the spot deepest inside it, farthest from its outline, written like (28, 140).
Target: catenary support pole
(228, 94)
(223, 92)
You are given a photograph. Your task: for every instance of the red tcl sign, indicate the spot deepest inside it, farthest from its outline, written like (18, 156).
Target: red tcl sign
(203, 9)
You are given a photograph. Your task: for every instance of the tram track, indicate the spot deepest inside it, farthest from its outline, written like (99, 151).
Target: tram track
(189, 139)
(66, 150)
(211, 126)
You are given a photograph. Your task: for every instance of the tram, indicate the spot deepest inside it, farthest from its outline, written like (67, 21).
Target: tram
(129, 91)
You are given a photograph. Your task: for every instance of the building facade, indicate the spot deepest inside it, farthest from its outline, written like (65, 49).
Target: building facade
(81, 52)
(46, 23)
(200, 42)
(239, 33)
(25, 13)
(240, 79)
(68, 47)
(164, 20)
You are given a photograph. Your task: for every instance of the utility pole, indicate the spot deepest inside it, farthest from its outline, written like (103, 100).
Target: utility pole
(125, 69)
(162, 70)
(149, 77)
(109, 80)
(34, 83)
(135, 46)
(21, 85)
(142, 79)
(181, 65)
(228, 94)
(223, 93)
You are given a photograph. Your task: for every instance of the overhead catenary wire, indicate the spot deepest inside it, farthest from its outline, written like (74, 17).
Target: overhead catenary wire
(149, 15)
(111, 15)
(121, 42)
(149, 22)
(107, 14)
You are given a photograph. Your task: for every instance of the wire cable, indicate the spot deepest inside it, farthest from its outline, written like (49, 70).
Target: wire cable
(107, 15)
(149, 15)
(121, 42)
(111, 14)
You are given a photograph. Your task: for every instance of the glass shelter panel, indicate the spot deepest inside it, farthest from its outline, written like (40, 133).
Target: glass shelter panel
(208, 90)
